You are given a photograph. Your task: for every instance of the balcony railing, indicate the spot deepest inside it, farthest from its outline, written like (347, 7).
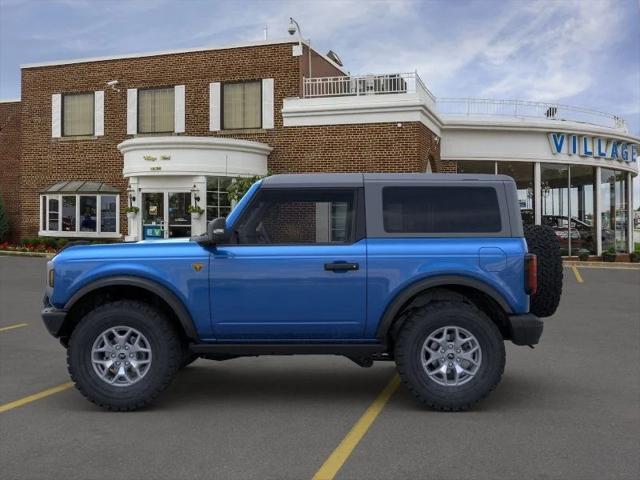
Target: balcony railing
(400, 83)
(357, 85)
(525, 109)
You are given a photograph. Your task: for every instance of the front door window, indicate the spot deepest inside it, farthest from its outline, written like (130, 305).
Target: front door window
(179, 218)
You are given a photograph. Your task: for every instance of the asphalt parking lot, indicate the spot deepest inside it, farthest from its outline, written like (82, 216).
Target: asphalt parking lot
(569, 409)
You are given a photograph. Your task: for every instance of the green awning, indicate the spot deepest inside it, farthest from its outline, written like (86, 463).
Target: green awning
(80, 187)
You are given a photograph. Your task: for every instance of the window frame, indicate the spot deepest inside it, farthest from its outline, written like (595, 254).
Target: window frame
(357, 229)
(98, 233)
(163, 132)
(236, 82)
(93, 115)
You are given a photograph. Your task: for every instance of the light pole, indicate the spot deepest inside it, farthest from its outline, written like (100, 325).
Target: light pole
(293, 28)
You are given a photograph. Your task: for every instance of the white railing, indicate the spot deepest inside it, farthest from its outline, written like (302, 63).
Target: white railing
(355, 85)
(521, 108)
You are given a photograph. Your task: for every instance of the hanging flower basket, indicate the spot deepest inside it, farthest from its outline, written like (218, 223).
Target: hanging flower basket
(195, 211)
(132, 212)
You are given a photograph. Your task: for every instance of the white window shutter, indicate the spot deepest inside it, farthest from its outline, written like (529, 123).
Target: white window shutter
(179, 99)
(214, 106)
(98, 113)
(56, 115)
(267, 103)
(132, 111)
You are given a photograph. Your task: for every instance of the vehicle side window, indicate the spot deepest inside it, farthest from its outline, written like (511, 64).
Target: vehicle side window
(299, 217)
(433, 209)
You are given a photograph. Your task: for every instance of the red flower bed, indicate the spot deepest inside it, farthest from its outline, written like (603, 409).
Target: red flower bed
(27, 247)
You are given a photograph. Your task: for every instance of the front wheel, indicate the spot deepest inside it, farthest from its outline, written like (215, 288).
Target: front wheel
(123, 354)
(450, 355)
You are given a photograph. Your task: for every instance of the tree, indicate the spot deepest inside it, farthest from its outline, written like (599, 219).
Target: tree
(239, 187)
(4, 222)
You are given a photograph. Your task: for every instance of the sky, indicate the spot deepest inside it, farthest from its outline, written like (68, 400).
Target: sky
(576, 52)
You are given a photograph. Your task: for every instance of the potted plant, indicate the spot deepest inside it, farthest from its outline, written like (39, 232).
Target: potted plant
(610, 255)
(131, 212)
(195, 211)
(583, 254)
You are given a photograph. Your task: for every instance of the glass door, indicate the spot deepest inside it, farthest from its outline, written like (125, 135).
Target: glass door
(153, 215)
(179, 218)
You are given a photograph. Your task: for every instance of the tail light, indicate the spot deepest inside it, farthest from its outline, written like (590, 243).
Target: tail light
(530, 274)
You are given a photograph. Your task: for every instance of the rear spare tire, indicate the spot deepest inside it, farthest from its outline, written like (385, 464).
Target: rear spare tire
(543, 242)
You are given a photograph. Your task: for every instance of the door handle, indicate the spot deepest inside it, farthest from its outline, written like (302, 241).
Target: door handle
(341, 266)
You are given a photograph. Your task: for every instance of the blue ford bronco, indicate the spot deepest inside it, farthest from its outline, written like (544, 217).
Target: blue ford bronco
(433, 272)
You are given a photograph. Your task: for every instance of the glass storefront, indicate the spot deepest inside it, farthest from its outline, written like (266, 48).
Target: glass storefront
(218, 203)
(569, 201)
(582, 209)
(554, 183)
(614, 210)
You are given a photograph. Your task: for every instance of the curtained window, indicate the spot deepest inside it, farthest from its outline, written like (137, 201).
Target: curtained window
(156, 109)
(242, 105)
(77, 114)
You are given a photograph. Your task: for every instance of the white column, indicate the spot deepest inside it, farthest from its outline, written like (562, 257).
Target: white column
(134, 224)
(598, 212)
(537, 195)
(630, 211)
(198, 227)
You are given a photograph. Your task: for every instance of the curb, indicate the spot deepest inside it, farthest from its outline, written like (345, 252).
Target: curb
(11, 253)
(607, 265)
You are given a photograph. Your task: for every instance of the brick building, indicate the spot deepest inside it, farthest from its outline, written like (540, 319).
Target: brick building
(165, 130)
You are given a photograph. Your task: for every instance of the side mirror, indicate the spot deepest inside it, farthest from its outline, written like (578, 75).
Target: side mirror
(217, 231)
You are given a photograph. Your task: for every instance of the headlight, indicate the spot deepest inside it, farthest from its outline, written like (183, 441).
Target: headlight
(51, 276)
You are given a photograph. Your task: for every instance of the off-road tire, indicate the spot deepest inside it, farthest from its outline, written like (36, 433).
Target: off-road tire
(543, 242)
(421, 323)
(150, 322)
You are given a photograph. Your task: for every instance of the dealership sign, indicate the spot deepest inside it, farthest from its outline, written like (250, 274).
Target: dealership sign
(597, 147)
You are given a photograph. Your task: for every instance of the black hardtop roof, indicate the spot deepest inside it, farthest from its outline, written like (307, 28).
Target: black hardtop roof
(358, 179)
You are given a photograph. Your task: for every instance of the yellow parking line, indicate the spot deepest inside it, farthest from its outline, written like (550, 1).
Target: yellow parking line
(577, 274)
(11, 327)
(332, 465)
(36, 396)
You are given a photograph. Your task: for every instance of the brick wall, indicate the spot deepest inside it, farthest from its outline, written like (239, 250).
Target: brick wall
(339, 148)
(10, 162)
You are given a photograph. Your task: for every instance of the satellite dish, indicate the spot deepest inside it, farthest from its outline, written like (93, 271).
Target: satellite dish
(334, 57)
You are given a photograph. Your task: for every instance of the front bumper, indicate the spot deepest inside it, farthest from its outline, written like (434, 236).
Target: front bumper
(53, 318)
(525, 329)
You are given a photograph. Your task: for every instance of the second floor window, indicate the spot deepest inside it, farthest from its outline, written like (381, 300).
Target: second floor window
(77, 114)
(242, 105)
(156, 109)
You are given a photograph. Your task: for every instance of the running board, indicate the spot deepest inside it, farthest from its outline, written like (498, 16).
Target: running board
(251, 349)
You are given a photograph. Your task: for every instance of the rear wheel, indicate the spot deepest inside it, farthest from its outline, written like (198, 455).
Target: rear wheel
(450, 355)
(543, 242)
(123, 354)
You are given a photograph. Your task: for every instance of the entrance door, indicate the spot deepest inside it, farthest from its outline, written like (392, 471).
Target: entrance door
(164, 215)
(153, 216)
(179, 218)
(298, 270)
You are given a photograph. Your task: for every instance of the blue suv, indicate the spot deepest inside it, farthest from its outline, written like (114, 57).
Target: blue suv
(433, 272)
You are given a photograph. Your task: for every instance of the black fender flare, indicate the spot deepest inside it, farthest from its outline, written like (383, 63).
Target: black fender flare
(415, 288)
(178, 307)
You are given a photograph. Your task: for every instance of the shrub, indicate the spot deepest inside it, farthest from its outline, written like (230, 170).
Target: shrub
(239, 187)
(583, 254)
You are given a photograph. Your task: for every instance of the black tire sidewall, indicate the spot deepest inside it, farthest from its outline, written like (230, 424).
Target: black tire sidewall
(489, 339)
(165, 349)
